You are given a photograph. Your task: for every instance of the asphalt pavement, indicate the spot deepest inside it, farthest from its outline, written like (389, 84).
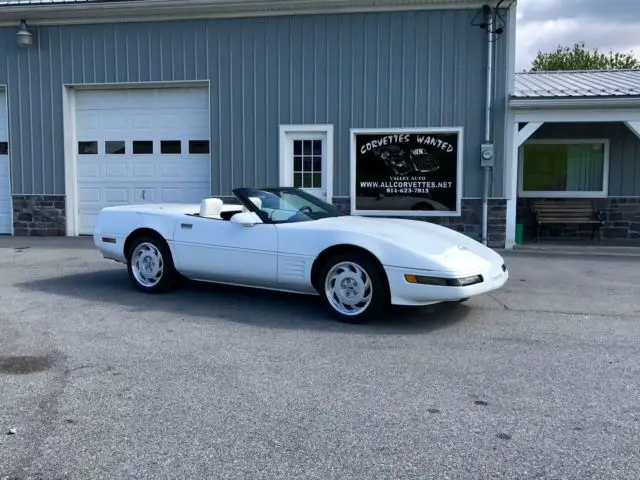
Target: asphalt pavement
(539, 380)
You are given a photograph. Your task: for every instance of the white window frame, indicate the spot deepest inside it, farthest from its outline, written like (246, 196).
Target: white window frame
(286, 166)
(565, 194)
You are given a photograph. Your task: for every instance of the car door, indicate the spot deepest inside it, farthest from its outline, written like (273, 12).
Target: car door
(222, 251)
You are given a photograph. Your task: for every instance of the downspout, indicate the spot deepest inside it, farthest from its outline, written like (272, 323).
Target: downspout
(487, 121)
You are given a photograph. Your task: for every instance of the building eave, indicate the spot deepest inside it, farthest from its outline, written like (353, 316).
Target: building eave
(553, 103)
(138, 10)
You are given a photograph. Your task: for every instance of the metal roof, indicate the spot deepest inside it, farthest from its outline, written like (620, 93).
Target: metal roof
(580, 84)
(19, 3)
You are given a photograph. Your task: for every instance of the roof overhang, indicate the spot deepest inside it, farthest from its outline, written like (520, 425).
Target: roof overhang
(555, 103)
(146, 10)
(575, 110)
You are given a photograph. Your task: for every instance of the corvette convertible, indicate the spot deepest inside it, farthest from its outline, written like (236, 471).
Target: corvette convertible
(289, 240)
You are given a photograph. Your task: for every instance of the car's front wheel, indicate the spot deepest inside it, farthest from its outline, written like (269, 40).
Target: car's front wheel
(353, 287)
(150, 265)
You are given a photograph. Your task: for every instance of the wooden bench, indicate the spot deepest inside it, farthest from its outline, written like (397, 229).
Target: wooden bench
(575, 211)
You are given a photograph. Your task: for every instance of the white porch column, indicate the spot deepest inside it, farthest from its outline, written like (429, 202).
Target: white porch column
(519, 137)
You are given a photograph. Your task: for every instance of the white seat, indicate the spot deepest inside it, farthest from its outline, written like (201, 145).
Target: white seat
(211, 208)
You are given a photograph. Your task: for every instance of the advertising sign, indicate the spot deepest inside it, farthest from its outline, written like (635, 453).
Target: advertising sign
(406, 172)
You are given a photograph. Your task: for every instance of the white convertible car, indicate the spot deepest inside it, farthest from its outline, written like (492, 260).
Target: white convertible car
(289, 240)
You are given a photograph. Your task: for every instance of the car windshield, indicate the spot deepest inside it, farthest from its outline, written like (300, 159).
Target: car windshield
(285, 205)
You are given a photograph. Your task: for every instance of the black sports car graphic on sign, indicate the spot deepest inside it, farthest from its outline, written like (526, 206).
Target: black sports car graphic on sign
(402, 162)
(422, 161)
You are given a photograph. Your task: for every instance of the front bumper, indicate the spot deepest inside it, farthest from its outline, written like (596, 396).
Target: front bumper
(404, 292)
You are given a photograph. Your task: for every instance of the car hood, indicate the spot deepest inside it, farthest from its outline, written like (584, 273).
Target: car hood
(424, 238)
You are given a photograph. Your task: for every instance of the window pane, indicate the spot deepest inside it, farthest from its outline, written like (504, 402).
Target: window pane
(170, 147)
(297, 164)
(87, 148)
(297, 180)
(4, 148)
(306, 147)
(317, 147)
(563, 167)
(297, 147)
(114, 147)
(142, 147)
(585, 168)
(317, 180)
(307, 181)
(317, 164)
(198, 147)
(307, 164)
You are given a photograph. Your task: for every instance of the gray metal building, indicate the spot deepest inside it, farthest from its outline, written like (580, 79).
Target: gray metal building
(135, 101)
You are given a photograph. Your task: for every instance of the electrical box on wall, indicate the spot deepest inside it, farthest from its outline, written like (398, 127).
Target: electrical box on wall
(487, 158)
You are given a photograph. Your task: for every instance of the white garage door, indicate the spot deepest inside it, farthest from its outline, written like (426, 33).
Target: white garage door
(141, 146)
(5, 179)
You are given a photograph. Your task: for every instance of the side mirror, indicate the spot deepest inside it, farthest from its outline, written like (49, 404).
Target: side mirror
(246, 219)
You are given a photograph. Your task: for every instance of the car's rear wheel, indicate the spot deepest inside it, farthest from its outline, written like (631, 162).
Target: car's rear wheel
(353, 287)
(150, 265)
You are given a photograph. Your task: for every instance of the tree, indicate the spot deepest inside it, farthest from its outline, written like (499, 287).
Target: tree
(578, 57)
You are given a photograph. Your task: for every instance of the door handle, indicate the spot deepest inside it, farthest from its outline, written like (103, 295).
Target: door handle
(186, 225)
(143, 194)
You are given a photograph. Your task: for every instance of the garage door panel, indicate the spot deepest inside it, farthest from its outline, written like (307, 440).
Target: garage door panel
(160, 172)
(136, 99)
(92, 200)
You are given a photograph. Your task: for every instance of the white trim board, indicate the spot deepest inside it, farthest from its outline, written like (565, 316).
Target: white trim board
(566, 194)
(556, 103)
(511, 129)
(285, 169)
(591, 115)
(634, 127)
(164, 10)
(510, 83)
(4, 91)
(416, 130)
(140, 85)
(69, 132)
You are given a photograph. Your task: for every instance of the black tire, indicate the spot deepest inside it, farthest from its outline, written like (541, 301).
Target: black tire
(167, 279)
(378, 282)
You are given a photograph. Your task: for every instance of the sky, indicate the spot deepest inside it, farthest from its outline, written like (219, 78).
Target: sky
(603, 24)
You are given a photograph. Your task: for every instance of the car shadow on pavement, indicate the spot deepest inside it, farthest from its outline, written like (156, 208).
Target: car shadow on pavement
(264, 308)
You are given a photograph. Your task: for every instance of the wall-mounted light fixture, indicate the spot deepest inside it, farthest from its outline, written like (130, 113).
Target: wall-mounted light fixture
(23, 36)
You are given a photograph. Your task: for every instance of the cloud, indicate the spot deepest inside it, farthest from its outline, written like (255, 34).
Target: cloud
(545, 24)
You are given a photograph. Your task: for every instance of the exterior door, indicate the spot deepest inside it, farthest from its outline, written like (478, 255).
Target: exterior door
(306, 162)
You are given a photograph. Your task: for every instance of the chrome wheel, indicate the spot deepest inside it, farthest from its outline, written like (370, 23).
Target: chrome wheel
(348, 288)
(147, 264)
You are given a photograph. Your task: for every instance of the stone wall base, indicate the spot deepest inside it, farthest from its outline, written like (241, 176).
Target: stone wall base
(39, 215)
(45, 215)
(621, 218)
(469, 223)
